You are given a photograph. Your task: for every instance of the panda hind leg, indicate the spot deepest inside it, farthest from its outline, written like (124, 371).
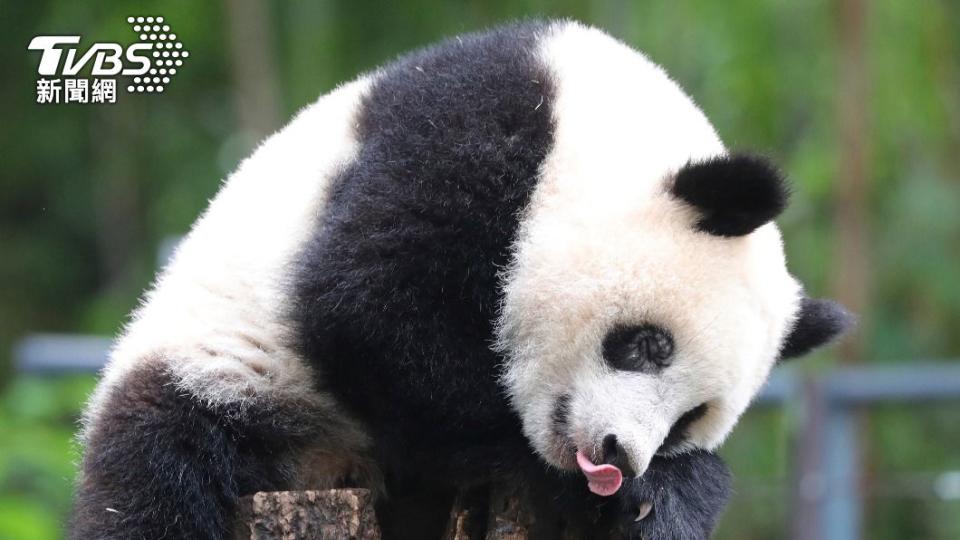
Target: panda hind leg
(160, 463)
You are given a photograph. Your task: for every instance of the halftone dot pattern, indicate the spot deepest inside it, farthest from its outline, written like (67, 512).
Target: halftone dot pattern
(153, 31)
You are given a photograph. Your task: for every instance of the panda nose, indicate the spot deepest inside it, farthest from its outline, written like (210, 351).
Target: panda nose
(614, 454)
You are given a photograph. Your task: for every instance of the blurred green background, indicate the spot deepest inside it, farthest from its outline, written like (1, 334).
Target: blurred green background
(858, 100)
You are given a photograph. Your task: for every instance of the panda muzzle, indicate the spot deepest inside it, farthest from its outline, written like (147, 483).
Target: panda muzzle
(605, 476)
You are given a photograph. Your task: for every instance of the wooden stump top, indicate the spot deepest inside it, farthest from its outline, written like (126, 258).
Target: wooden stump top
(345, 514)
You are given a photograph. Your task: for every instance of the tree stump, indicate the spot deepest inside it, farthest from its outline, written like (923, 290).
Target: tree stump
(495, 513)
(335, 514)
(348, 514)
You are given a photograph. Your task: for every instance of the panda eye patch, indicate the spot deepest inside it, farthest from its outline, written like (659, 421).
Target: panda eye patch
(645, 348)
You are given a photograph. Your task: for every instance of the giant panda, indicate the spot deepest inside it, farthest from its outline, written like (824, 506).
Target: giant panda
(518, 254)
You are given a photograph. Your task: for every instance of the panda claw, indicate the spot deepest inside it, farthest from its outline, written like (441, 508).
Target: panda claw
(644, 510)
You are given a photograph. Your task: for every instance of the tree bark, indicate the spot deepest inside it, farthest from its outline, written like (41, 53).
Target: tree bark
(851, 257)
(250, 33)
(509, 518)
(341, 514)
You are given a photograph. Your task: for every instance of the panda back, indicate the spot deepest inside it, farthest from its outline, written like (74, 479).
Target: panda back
(214, 319)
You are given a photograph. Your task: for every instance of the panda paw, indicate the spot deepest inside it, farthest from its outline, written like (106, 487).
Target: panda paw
(678, 498)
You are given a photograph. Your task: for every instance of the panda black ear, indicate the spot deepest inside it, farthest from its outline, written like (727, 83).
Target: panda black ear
(734, 194)
(818, 322)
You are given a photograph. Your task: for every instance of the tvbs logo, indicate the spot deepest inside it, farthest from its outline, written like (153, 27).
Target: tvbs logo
(149, 64)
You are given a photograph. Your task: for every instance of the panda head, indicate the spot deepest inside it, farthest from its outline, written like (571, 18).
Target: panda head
(648, 295)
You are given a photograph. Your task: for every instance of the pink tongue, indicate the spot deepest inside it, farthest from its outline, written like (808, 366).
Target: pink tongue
(604, 480)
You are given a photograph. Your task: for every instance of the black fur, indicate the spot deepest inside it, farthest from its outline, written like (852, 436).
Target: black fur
(686, 492)
(160, 464)
(395, 297)
(735, 194)
(818, 323)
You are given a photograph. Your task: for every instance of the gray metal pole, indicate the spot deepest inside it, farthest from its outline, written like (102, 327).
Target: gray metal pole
(841, 507)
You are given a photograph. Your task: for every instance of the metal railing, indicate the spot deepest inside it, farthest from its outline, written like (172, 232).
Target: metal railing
(825, 503)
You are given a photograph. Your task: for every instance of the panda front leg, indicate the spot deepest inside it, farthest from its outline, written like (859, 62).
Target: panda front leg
(679, 497)
(160, 462)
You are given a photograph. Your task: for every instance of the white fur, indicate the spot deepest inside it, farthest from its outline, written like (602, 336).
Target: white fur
(214, 318)
(603, 241)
